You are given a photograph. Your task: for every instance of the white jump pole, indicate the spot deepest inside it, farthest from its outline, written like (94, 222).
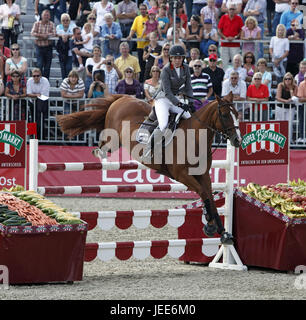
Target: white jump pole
(231, 258)
(33, 165)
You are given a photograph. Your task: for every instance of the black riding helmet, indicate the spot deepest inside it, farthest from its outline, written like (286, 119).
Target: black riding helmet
(177, 51)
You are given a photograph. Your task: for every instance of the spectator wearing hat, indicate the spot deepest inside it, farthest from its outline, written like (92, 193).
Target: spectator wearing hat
(151, 25)
(126, 60)
(210, 36)
(216, 74)
(129, 85)
(229, 29)
(194, 32)
(210, 12)
(212, 49)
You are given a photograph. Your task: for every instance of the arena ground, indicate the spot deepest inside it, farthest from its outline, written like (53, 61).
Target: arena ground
(165, 279)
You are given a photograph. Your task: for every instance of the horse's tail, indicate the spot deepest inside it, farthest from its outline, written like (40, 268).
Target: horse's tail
(79, 122)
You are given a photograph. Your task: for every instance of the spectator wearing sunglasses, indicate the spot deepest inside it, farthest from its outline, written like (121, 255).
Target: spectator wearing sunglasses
(216, 74)
(16, 62)
(16, 90)
(202, 86)
(237, 87)
(129, 85)
(291, 14)
(38, 89)
(258, 92)
(212, 49)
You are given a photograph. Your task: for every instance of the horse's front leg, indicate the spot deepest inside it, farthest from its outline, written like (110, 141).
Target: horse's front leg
(214, 223)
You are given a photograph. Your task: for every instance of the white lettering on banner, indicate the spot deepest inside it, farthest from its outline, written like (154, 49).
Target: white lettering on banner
(138, 177)
(7, 182)
(105, 178)
(159, 179)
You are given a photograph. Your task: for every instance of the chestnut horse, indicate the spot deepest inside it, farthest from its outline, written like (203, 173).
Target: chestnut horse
(112, 112)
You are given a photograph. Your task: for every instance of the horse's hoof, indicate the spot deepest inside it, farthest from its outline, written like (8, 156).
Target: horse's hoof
(227, 238)
(210, 230)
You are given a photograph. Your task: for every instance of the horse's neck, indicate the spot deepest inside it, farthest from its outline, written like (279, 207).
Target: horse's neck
(207, 115)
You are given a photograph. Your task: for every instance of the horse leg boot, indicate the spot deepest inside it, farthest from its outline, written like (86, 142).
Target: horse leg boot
(211, 228)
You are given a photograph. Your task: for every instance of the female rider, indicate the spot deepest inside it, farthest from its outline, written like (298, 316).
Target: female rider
(175, 83)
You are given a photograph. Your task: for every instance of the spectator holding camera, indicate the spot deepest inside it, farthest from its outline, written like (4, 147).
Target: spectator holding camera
(98, 88)
(112, 73)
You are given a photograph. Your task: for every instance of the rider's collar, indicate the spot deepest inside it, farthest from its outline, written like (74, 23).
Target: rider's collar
(172, 67)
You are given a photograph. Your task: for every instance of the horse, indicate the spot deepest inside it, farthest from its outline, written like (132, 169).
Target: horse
(111, 112)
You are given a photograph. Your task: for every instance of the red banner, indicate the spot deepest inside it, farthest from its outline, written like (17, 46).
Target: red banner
(12, 153)
(264, 143)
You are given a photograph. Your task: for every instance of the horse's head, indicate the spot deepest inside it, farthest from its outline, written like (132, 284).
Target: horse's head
(228, 120)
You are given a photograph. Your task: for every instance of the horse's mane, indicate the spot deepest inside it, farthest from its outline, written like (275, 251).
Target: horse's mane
(78, 122)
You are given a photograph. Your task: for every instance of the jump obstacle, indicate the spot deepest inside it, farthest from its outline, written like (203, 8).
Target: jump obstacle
(143, 218)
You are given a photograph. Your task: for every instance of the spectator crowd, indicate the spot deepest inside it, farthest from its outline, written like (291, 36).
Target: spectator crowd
(106, 48)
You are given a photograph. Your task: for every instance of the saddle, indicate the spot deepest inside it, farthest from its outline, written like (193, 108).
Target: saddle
(151, 123)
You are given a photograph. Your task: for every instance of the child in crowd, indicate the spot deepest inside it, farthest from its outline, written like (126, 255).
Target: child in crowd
(151, 25)
(163, 21)
(87, 43)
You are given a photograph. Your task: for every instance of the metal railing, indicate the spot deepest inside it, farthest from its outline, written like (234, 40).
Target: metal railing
(50, 132)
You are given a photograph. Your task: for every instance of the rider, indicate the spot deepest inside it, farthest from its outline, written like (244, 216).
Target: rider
(175, 83)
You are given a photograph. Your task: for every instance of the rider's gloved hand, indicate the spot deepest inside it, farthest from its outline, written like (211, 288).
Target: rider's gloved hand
(184, 106)
(191, 107)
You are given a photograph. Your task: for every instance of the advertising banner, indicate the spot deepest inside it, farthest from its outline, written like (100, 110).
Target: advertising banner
(12, 153)
(123, 177)
(264, 143)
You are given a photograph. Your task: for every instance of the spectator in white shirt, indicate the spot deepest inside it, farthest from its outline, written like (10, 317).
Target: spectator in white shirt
(38, 88)
(237, 87)
(237, 66)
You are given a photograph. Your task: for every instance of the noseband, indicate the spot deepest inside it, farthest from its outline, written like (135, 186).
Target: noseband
(225, 133)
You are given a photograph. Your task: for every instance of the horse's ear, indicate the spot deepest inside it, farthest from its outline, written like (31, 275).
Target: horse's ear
(218, 98)
(229, 97)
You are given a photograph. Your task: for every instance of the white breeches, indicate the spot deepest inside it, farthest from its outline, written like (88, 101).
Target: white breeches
(162, 108)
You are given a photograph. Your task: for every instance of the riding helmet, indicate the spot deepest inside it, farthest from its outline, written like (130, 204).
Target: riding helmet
(177, 51)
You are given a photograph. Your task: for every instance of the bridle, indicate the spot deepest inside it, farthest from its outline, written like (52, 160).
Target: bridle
(224, 132)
